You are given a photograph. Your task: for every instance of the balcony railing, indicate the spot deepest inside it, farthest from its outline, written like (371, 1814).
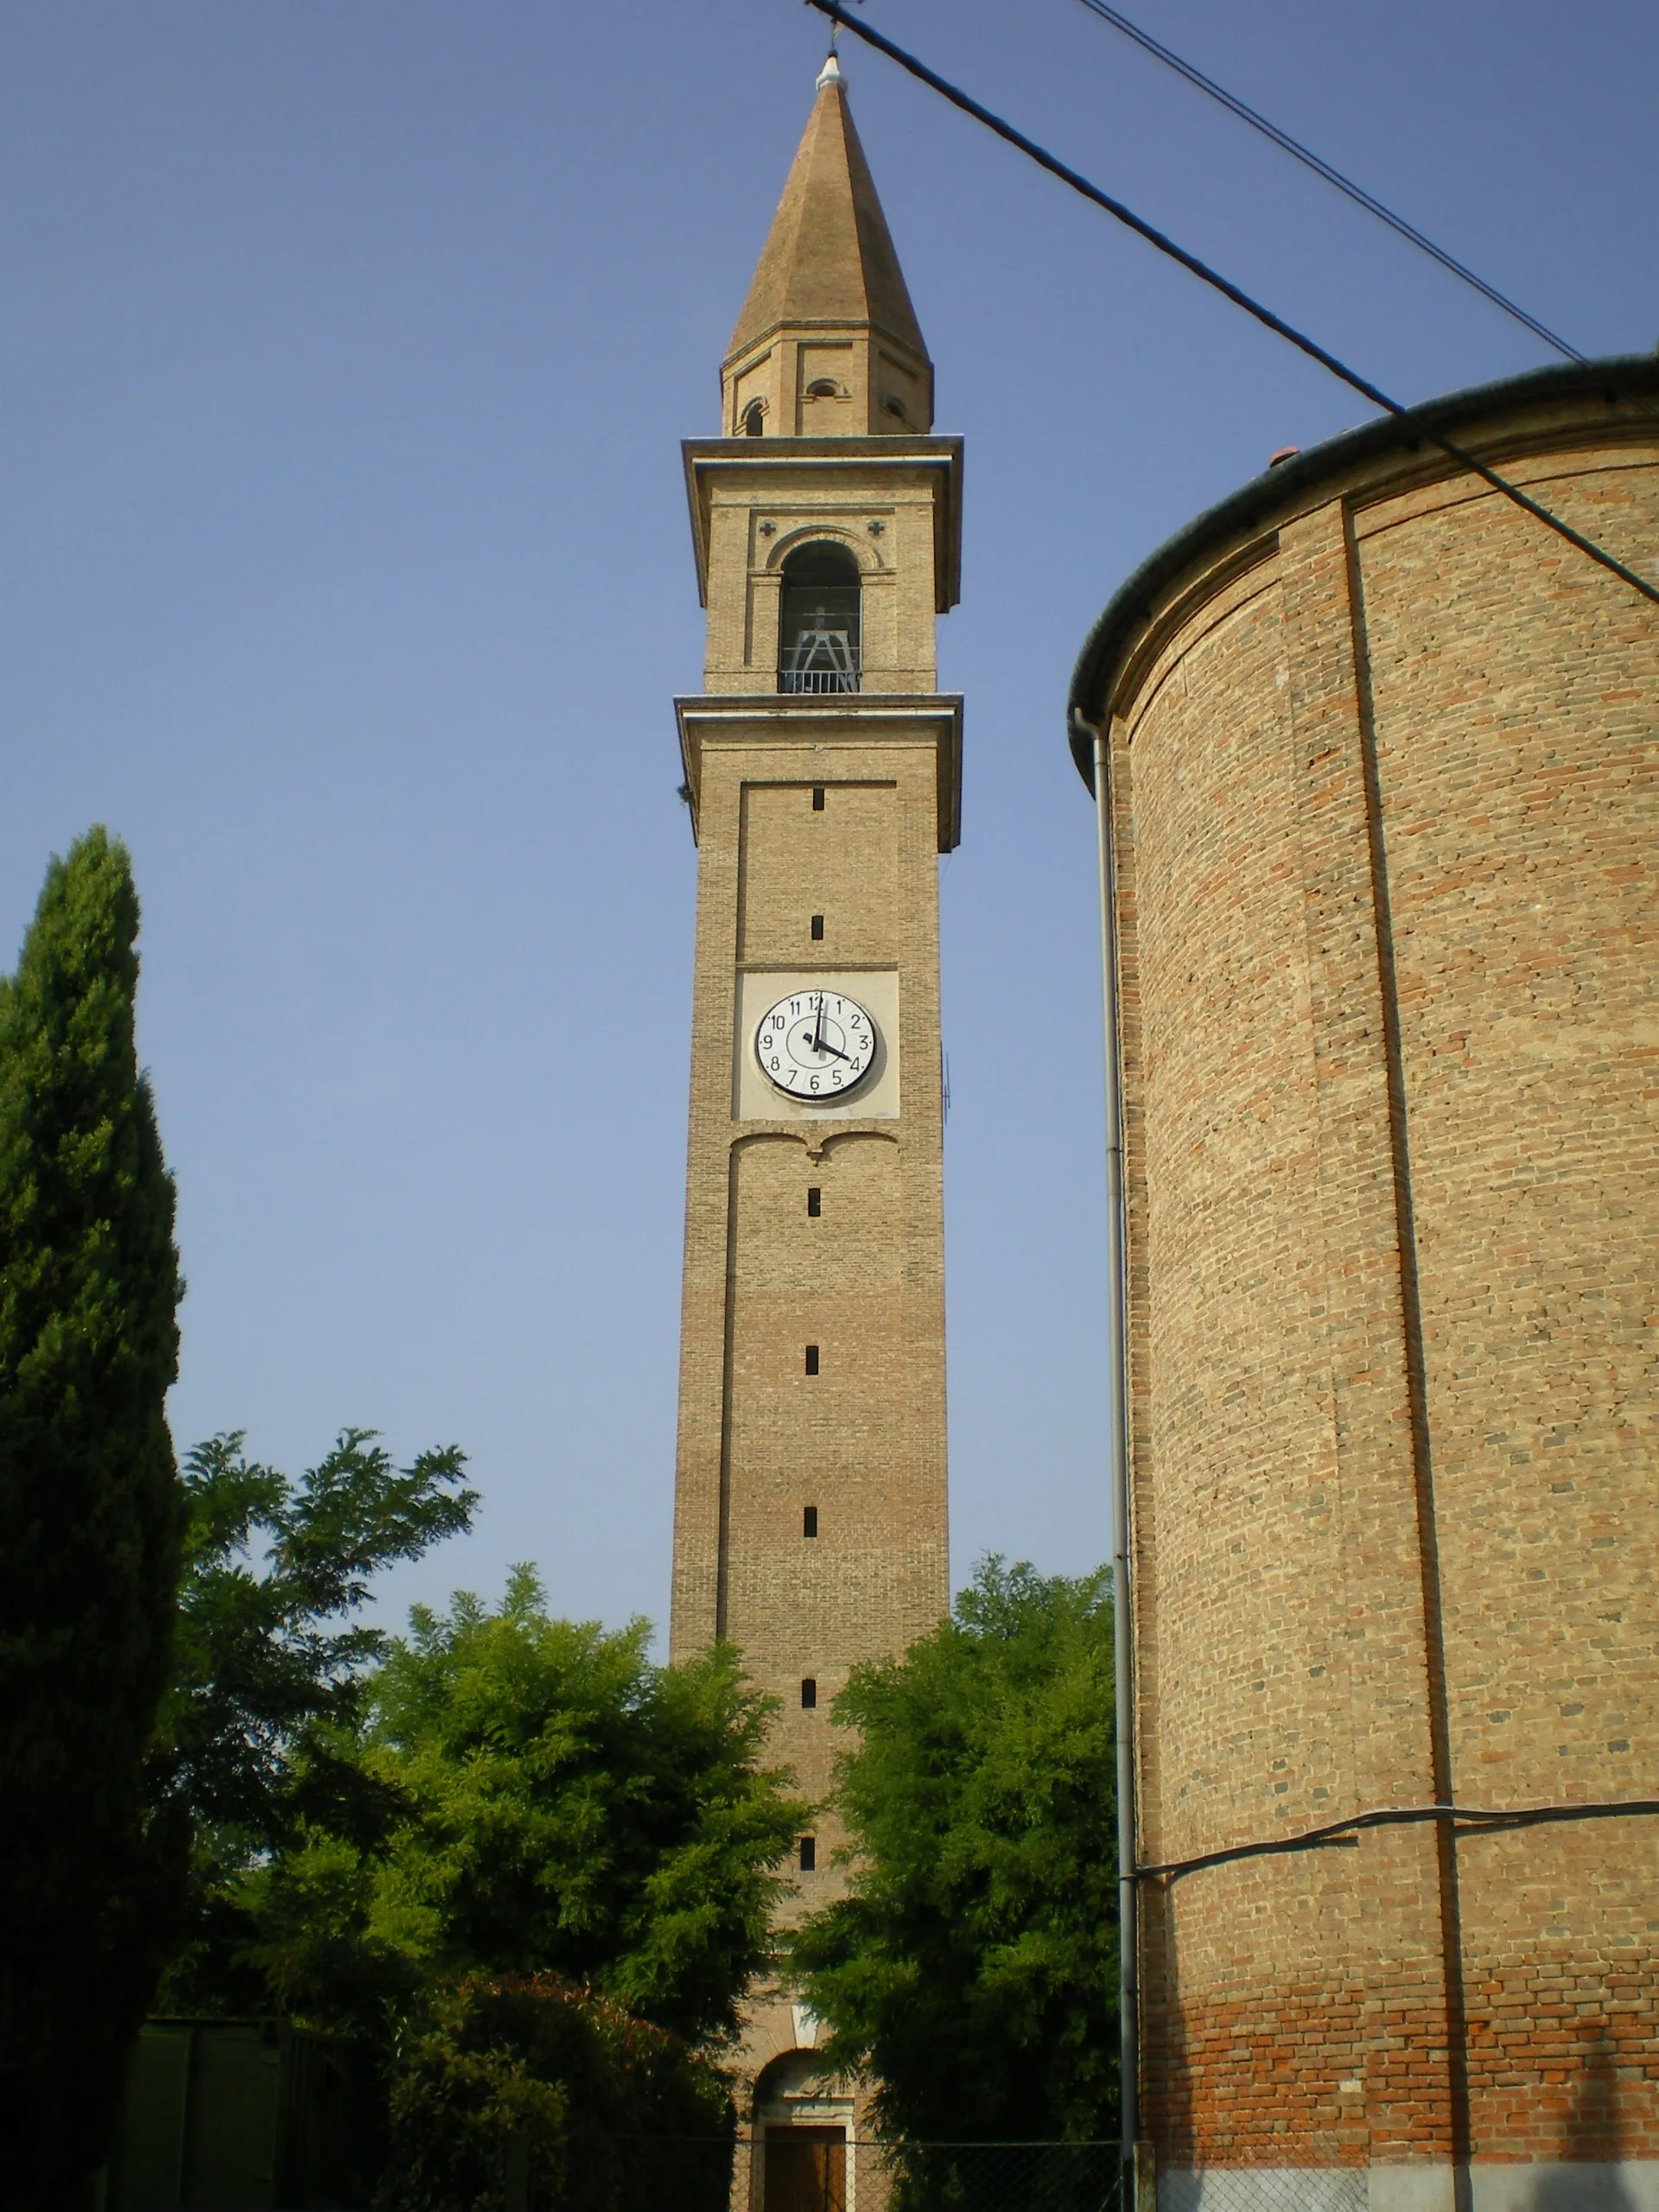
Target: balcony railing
(820, 660)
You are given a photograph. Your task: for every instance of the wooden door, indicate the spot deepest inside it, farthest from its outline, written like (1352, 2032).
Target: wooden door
(806, 2170)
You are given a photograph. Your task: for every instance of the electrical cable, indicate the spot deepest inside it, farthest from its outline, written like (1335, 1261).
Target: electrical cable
(1240, 298)
(1468, 1818)
(1330, 174)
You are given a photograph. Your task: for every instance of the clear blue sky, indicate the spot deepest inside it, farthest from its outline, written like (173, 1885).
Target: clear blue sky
(345, 351)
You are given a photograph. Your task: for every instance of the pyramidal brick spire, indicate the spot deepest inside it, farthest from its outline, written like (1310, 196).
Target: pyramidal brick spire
(828, 282)
(828, 257)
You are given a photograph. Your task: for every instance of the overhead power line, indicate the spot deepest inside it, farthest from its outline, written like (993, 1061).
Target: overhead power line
(1332, 175)
(1421, 426)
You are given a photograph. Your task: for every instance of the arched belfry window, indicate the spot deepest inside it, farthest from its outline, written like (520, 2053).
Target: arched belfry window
(818, 621)
(754, 419)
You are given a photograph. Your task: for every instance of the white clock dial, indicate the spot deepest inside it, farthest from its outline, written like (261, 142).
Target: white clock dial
(815, 1043)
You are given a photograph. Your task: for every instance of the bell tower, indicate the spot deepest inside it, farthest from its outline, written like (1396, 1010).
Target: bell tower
(823, 767)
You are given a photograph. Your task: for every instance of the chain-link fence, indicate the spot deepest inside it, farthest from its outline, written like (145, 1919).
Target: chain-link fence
(788, 2169)
(1315, 2187)
(816, 2168)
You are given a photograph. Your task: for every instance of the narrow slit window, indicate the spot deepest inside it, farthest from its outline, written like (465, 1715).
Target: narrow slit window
(812, 1359)
(817, 928)
(809, 1854)
(808, 1520)
(818, 798)
(814, 1201)
(809, 1693)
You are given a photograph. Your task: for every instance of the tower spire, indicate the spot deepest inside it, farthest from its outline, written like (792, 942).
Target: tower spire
(828, 343)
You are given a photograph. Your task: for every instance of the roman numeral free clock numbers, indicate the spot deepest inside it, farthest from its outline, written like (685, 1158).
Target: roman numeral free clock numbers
(815, 1043)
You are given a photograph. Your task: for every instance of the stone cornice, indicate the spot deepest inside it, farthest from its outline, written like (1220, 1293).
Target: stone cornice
(770, 719)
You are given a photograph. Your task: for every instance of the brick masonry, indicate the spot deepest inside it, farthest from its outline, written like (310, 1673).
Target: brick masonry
(861, 1278)
(862, 1440)
(1384, 812)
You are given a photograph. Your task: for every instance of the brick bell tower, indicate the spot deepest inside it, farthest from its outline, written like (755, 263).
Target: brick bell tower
(823, 772)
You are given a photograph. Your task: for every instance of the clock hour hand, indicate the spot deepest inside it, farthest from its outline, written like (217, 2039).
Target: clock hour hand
(825, 1045)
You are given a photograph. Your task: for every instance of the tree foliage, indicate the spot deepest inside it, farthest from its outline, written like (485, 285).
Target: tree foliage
(527, 2089)
(91, 1515)
(971, 1968)
(571, 1809)
(271, 1671)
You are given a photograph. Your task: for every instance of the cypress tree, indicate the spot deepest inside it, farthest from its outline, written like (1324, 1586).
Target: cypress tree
(91, 1521)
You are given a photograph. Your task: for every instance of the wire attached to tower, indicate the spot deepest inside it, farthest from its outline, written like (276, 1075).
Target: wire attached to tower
(1420, 425)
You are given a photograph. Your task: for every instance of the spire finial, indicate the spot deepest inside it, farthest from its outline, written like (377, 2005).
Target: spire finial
(830, 72)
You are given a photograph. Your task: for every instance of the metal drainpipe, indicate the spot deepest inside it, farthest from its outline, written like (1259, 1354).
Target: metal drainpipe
(1117, 1385)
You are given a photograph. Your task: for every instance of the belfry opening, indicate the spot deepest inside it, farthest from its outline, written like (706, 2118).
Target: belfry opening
(818, 620)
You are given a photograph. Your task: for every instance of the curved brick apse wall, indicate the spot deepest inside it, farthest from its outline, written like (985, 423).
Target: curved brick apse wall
(1385, 796)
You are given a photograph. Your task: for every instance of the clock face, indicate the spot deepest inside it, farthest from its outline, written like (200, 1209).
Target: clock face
(815, 1043)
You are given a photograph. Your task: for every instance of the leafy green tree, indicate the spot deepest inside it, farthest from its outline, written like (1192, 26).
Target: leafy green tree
(90, 1516)
(522, 2089)
(574, 1810)
(272, 1667)
(971, 1967)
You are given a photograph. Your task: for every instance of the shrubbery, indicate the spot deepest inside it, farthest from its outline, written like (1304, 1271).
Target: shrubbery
(527, 1868)
(555, 1803)
(523, 2093)
(971, 1967)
